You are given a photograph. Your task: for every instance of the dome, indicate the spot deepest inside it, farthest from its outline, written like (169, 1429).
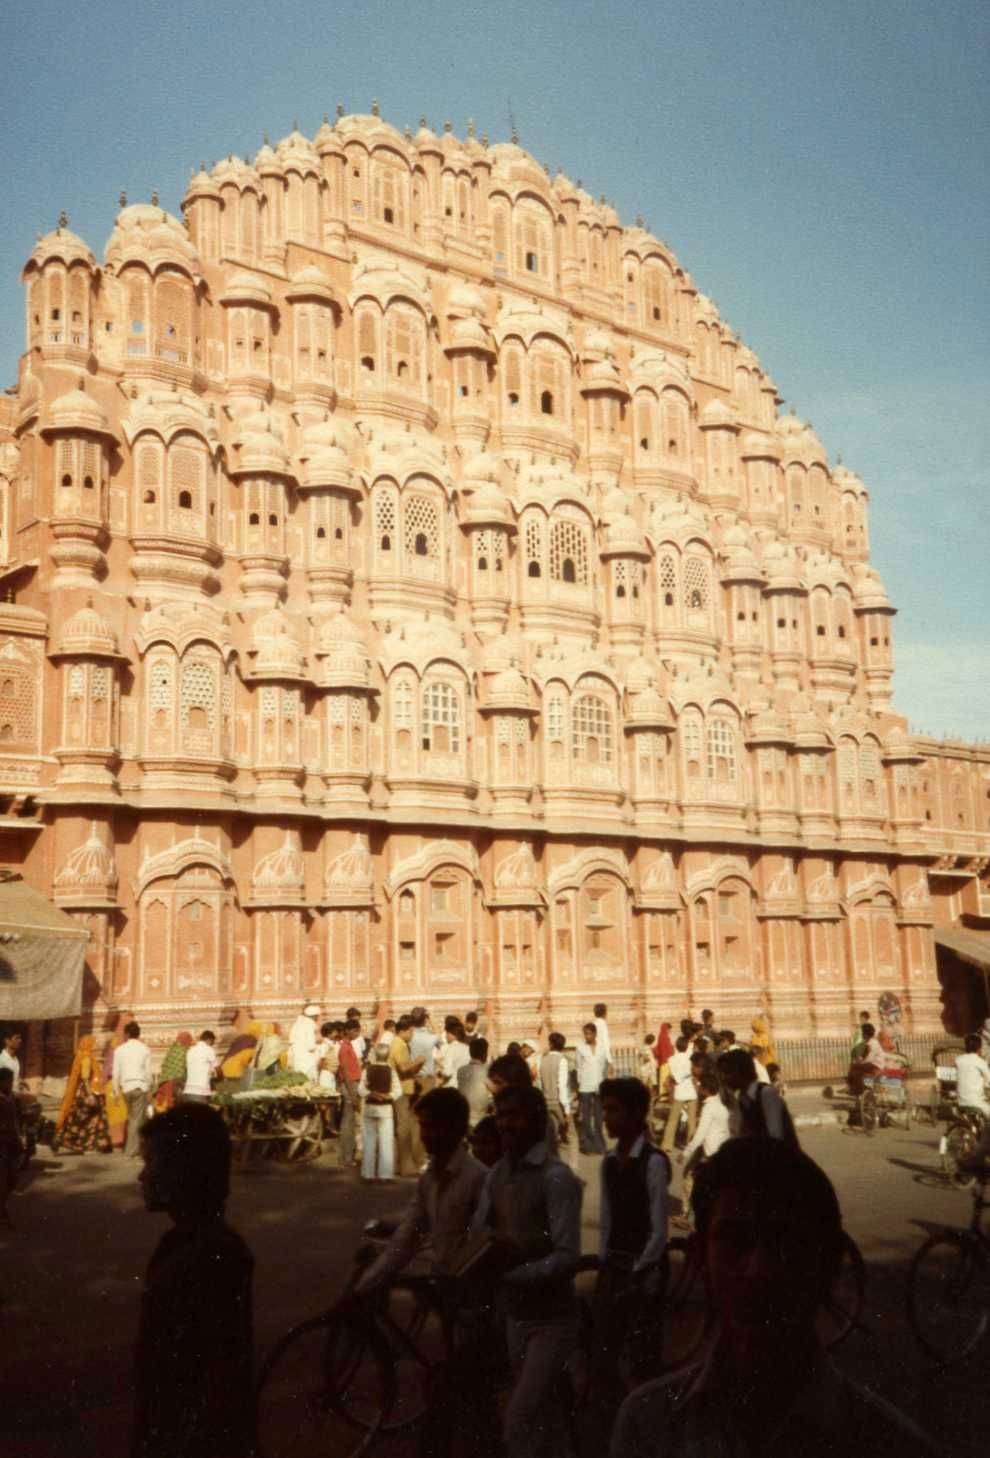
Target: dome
(64, 245)
(326, 137)
(145, 233)
(470, 334)
(341, 647)
(509, 690)
(201, 184)
(88, 634)
(756, 444)
(716, 415)
(488, 507)
(266, 162)
(89, 868)
(78, 411)
(603, 374)
(297, 152)
(310, 283)
(464, 298)
(648, 709)
(244, 288)
(325, 456)
(282, 870)
(770, 726)
(261, 446)
(499, 653)
(847, 480)
(228, 170)
(870, 593)
(277, 652)
(623, 537)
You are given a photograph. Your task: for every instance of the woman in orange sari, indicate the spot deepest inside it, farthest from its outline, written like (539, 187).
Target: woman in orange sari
(762, 1044)
(115, 1106)
(82, 1120)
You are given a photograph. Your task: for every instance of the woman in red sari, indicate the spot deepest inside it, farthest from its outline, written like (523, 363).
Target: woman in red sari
(663, 1052)
(82, 1120)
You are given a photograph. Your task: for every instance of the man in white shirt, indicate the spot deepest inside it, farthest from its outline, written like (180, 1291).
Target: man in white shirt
(592, 1067)
(456, 1051)
(554, 1080)
(360, 1043)
(302, 1042)
(131, 1078)
(601, 1028)
(201, 1064)
(9, 1058)
(711, 1133)
(973, 1077)
(685, 1094)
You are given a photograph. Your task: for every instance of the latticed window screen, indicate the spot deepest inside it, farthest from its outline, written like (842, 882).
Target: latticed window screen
(402, 705)
(77, 681)
(556, 717)
(66, 463)
(136, 341)
(482, 551)
(522, 731)
(385, 520)
(269, 704)
(17, 705)
(675, 417)
(500, 236)
(161, 679)
(172, 309)
(503, 730)
(869, 770)
(337, 710)
(187, 475)
(366, 338)
(568, 545)
(90, 464)
(357, 711)
(513, 375)
(100, 684)
(667, 579)
(721, 752)
(592, 720)
(199, 696)
(441, 709)
(404, 335)
(846, 769)
(696, 584)
(422, 528)
(534, 545)
(691, 740)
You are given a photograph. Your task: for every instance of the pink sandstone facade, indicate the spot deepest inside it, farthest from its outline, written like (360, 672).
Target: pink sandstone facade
(413, 594)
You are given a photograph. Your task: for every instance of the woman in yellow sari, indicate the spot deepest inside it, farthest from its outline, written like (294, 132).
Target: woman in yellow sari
(115, 1106)
(762, 1041)
(82, 1120)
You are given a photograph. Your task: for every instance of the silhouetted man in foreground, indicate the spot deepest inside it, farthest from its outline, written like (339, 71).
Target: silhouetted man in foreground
(193, 1371)
(768, 1236)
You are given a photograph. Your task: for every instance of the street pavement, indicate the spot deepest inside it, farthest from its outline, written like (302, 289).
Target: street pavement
(71, 1273)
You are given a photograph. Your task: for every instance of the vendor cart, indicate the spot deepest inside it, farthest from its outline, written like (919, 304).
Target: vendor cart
(942, 1098)
(286, 1123)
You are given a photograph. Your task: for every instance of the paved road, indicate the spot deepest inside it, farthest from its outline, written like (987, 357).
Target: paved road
(71, 1274)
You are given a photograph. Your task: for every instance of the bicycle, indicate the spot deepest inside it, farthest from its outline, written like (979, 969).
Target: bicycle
(359, 1370)
(958, 1144)
(948, 1295)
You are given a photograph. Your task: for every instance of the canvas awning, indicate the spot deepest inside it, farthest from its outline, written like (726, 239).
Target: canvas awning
(969, 946)
(42, 951)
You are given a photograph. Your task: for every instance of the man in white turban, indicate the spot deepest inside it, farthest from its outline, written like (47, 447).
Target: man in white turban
(302, 1042)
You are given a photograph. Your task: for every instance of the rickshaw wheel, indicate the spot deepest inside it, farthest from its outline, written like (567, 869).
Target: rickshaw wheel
(305, 1137)
(869, 1114)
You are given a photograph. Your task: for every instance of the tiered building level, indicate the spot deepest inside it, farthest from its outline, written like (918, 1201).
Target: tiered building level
(414, 594)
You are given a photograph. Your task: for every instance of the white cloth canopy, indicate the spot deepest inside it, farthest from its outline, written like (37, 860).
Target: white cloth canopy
(42, 951)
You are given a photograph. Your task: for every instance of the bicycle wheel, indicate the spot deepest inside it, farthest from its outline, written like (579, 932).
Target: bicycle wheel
(948, 1295)
(299, 1396)
(869, 1113)
(687, 1313)
(842, 1312)
(414, 1339)
(960, 1142)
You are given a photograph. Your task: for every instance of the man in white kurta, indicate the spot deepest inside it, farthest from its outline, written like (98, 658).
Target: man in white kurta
(302, 1042)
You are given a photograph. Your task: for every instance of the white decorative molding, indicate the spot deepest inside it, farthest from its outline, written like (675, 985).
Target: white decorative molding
(89, 876)
(424, 862)
(279, 877)
(349, 878)
(167, 864)
(577, 870)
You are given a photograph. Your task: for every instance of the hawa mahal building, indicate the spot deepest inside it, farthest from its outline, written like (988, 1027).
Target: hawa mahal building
(413, 595)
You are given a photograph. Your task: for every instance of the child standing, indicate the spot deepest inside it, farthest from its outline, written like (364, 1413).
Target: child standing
(379, 1088)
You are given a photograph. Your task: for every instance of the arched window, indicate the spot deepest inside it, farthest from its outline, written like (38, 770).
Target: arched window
(421, 522)
(870, 774)
(512, 371)
(402, 706)
(675, 415)
(721, 757)
(556, 718)
(441, 719)
(404, 345)
(568, 552)
(384, 515)
(667, 581)
(592, 730)
(690, 735)
(187, 464)
(172, 309)
(367, 342)
(846, 764)
(198, 705)
(533, 541)
(697, 588)
(161, 703)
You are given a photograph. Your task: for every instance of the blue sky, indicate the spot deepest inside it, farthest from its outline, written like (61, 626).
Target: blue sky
(821, 168)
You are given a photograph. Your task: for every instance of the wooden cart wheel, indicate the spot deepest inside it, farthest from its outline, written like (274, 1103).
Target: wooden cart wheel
(869, 1114)
(302, 1136)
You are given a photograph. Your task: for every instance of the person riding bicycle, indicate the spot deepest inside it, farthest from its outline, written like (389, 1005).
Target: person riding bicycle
(531, 1206)
(446, 1196)
(973, 1077)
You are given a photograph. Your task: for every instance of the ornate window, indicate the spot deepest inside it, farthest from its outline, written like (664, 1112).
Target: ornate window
(870, 774)
(667, 581)
(421, 523)
(172, 309)
(198, 706)
(697, 589)
(846, 758)
(691, 744)
(385, 517)
(402, 706)
(441, 718)
(675, 415)
(592, 730)
(721, 758)
(556, 717)
(367, 346)
(533, 537)
(404, 346)
(568, 553)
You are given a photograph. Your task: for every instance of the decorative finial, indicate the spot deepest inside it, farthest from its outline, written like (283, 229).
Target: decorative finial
(579, 183)
(123, 199)
(546, 168)
(448, 126)
(484, 139)
(408, 133)
(838, 458)
(470, 126)
(326, 119)
(424, 124)
(601, 200)
(154, 198)
(202, 165)
(340, 109)
(375, 108)
(515, 135)
(63, 219)
(295, 124)
(639, 221)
